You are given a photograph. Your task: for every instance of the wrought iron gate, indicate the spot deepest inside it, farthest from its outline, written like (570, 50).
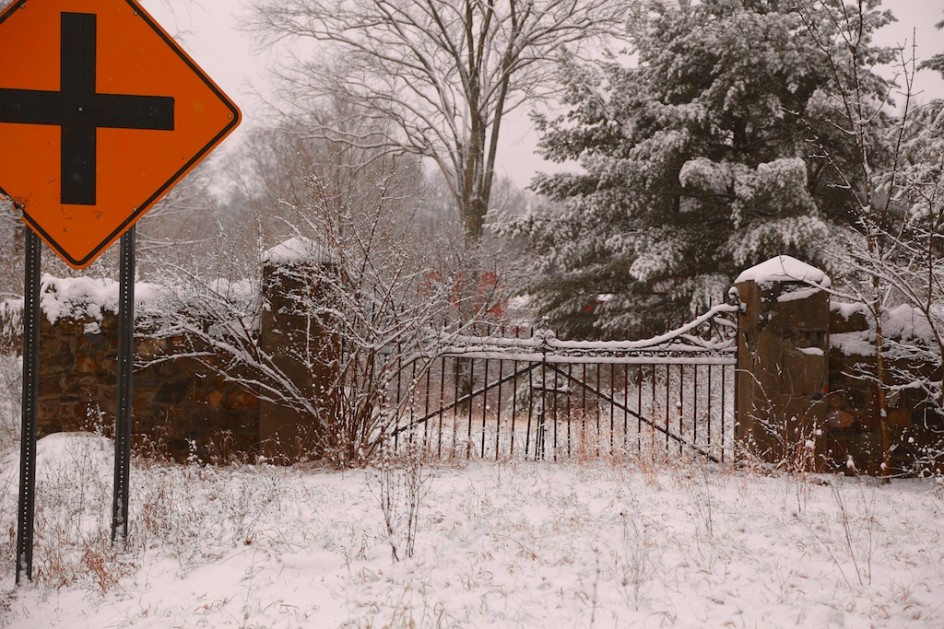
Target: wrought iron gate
(541, 397)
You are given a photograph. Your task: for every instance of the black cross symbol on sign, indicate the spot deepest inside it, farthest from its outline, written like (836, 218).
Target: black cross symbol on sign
(80, 111)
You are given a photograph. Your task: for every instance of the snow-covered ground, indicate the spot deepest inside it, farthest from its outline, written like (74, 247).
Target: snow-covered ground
(583, 544)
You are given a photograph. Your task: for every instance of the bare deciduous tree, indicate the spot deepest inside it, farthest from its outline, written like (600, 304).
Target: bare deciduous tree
(441, 74)
(858, 103)
(366, 317)
(894, 258)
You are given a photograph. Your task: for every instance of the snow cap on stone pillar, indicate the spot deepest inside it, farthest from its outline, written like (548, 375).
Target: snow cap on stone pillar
(784, 268)
(292, 272)
(297, 251)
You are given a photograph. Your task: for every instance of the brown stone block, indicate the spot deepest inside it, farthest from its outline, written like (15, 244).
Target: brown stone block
(215, 398)
(49, 382)
(47, 414)
(839, 419)
(240, 399)
(109, 322)
(835, 399)
(869, 421)
(149, 349)
(104, 399)
(65, 327)
(55, 355)
(810, 313)
(852, 395)
(172, 392)
(840, 324)
(804, 374)
(141, 397)
(73, 415)
(82, 382)
(92, 342)
(168, 369)
(87, 364)
(899, 418)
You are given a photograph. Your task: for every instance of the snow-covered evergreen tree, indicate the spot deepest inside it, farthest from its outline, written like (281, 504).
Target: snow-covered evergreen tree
(717, 147)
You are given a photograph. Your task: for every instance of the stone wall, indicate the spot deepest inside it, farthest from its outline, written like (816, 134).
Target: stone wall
(182, 405)
(799, 400)
(804, 396)
(852, 425)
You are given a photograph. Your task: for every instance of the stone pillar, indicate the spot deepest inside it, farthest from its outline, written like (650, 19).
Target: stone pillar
(300, 346)
(783, 360)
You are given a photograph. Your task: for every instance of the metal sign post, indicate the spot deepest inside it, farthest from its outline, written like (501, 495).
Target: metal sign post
(81, 81)
(27, 501)
(119, 519)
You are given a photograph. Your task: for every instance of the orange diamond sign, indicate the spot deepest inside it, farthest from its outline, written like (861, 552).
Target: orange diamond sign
(101, 113)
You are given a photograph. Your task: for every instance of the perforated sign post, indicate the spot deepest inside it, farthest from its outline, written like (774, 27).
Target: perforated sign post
(101, 113)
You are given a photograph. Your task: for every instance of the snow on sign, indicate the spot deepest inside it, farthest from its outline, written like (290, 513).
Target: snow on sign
(101, 113)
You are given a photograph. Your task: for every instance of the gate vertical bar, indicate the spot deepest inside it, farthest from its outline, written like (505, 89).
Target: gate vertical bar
(652, 411)
(485, 405)
(597, 405)
(527, 434)
(469, 444)
(668, 404)
(555, 397)
(710, 404)
(570, 373)
(498, 407)
(695, 397)
(625, 409)
(442, 396)
(639, 381)
(514, 401)
(724, 407)
(681, 407)
(456, 376)
(540, 433)
(27, 498)
(583, 406)
(612, 409)
(119, 512)
(736, 401)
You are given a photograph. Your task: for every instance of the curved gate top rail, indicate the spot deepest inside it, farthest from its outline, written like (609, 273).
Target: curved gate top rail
(708, 340)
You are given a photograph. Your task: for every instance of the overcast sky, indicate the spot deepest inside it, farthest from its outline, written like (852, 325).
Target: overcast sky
(208, 30)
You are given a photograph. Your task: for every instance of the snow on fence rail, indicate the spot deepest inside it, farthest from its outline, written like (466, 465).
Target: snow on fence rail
(541, 397)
